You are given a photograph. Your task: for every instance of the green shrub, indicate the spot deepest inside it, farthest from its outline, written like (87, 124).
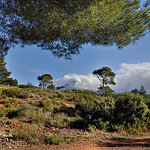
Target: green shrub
(34, 141)
(78, 123)
(11, 92)
(15, 92)
(23, 94)
(11, 101)
(2, 111)
(13, 113)
(25, 132)
(60, 120)
(52, 139)
(61, 96)
(91, 128)
(130, 110)
(47, 105)
(31, 113)
(86, 110)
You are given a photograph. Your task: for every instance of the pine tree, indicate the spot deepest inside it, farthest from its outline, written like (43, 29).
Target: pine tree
(4, 75)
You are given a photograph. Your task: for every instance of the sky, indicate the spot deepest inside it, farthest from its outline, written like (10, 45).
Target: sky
(131, 65)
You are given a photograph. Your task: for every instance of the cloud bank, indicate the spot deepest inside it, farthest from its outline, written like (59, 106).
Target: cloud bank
(131, 76)
(74, 81)
(128, 77)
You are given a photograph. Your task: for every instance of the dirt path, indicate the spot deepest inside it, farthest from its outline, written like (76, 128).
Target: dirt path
(120, 144)
(142, 143)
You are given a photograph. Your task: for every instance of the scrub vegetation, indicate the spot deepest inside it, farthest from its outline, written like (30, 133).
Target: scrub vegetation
(30, 111)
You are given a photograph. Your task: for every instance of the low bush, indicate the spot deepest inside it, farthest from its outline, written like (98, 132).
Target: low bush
(52, 139)
(91, 128)
(59, 120)
(29, 112)
(25, 132)
(47, 105)
(11, 102)
(10, 92)
(61, 96)
(12, 113)
(3, 111)
(130, 110)
(15, 92)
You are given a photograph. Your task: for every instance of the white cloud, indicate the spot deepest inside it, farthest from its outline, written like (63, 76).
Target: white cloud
(128, 77)
(34, 70)
(74, 81)
(132, 76)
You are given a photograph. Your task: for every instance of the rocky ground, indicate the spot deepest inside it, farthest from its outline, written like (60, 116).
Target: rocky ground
(77, 140)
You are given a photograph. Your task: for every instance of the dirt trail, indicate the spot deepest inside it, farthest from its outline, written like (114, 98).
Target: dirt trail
(120, 144)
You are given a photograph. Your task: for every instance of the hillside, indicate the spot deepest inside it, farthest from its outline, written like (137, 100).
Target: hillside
(35, 117)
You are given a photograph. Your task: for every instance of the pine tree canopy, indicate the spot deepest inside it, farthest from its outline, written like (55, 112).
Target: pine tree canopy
(63, 27)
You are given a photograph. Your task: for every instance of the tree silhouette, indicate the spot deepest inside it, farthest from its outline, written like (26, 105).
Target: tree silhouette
(46, 81)
(105, 76)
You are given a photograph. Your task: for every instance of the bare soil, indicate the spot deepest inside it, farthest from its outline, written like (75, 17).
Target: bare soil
(108, 143)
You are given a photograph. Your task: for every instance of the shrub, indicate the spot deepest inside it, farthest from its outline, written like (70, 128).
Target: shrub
(25, 132)
(30, 113)
(11, 101)
(60, 120)
(91, 128)
(61, 96)
(12, 113)
(88, 109)
(47, 105)
(11, 92)
(2, 111)
(130, 110)
(52, 139)
(15, 92)
(78, 123)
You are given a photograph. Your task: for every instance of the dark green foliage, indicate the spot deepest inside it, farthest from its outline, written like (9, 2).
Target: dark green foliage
(28, 85)
(60, 87)
(107, 90)
(47, 105)
(4, 75)
(78, 124)
(105, 76)
(11, 92)
(86, 111)
(51, 87)
(56, 109)
(64, 26)
(15, 92)
(126, 112)
(130, 110)
(61, 96)
(10, 82)
(3, 71)
(2, 111)
(135, 91)
(52, 139)
(96, 112)
(13, 113)
(91, 128)
(46, 81)
(142, 90)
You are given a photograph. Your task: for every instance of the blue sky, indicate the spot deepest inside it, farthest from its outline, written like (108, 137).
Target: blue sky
(26, 64)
